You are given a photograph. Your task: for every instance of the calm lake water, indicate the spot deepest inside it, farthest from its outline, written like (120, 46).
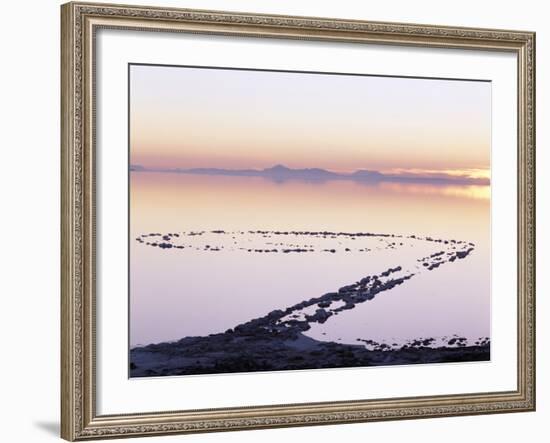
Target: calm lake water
(176, 293)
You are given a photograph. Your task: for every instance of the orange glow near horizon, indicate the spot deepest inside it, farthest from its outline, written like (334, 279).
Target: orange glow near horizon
(466, 173)
(196, 201)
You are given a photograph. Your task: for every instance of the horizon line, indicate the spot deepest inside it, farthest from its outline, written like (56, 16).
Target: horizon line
(282, 172)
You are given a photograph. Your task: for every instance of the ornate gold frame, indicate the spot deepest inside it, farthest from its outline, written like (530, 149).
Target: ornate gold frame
(79, 21)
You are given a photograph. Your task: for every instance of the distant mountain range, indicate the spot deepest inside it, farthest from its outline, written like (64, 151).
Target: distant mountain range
(283, 173)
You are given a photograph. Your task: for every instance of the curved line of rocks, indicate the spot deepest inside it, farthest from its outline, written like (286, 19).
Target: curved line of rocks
(296, 317)
(176, 240)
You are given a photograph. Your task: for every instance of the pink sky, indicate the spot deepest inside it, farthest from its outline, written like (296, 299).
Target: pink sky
(193, 117)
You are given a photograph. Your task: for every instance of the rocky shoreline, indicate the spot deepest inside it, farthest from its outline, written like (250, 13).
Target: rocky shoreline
(260, 350)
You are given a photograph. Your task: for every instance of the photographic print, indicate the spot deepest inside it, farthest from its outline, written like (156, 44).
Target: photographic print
(288, 220)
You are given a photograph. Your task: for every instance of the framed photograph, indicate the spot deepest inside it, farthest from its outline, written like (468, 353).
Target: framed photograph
(282, 221)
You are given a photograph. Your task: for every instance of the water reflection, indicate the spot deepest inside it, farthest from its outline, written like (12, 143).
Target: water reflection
(186, 292)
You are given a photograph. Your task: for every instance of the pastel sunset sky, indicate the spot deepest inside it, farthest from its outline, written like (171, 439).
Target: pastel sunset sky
(196, 117)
